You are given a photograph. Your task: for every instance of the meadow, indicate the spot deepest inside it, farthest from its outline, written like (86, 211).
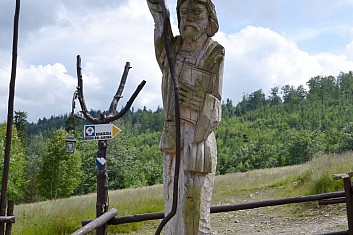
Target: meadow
(64, 216)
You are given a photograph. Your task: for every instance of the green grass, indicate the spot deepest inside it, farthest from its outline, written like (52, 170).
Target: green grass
(53, 217)
(65, 215)
(318, 177)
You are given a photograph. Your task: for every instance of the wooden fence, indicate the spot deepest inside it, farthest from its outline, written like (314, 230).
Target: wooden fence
(323, 199)
(9, 219)
(94, 224)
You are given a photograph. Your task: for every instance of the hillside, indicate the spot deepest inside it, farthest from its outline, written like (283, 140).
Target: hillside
(63, 216)
(290, 126)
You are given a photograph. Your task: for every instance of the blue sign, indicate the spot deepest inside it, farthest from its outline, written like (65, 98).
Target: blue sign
(90, 131)
(100, 161)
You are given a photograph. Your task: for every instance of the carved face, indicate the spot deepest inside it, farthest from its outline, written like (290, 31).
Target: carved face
(194, 19)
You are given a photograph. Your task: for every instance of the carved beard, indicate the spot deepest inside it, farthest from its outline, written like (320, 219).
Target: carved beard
(187, 33)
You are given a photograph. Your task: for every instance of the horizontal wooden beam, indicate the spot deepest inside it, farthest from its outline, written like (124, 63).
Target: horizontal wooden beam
(342, 176)
(132, 218)
(101, 220)
(275, 202)
(332, 201)
(227, 208)
(337, 233)
(7, 219)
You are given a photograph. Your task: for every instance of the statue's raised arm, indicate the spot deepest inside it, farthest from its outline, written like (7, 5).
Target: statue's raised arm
(159, 16)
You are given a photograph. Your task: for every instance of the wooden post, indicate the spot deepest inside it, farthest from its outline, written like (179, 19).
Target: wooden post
(349, 202)
(348, 196)
(102, 186)
(10, 209)
(6, 166)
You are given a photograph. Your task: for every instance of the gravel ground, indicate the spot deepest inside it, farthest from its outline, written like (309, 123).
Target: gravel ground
(259, 222)
(278, 219)
(271, 220)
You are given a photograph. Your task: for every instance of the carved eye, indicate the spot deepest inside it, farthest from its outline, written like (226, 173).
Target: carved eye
(183, 11)
(197, 11)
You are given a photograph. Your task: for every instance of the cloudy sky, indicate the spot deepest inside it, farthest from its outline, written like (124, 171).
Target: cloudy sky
(268, 43)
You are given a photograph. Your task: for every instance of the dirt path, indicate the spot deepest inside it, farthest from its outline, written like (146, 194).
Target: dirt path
(271, 220)
(259, 222)
(278, 219)
(255, 222)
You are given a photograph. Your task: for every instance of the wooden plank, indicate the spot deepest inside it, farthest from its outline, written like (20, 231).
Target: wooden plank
(332, 201)
(344, 175)
(132, 218)
(227, 208)
(7, 219)
(10, 209)
(101, 220)
(336, 233)
(275, 202)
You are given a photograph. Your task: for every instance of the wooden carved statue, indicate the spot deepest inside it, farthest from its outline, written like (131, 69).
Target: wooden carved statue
(198, 62)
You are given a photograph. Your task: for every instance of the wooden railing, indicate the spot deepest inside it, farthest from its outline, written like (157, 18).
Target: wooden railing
(323, 199)
(94, 224)
(9, 219)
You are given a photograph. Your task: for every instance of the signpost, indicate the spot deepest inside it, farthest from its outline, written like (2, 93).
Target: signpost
(100, 132)
(102, 129)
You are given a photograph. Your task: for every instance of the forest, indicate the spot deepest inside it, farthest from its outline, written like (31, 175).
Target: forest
(288, 126)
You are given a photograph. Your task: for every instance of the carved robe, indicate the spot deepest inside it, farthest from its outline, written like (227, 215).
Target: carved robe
(200, 83)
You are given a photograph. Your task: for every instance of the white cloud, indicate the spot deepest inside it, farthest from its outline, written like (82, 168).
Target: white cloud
(259, 58)
(350, 49)
(105, 40)
(106, 36)
(42, 91)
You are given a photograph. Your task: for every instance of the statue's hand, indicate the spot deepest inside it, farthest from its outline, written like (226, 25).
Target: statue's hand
(192, 98)
(156, 6)
(154, 1)
(209, 118)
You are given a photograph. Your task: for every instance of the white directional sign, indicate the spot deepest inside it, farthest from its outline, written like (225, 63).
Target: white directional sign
(100, 131)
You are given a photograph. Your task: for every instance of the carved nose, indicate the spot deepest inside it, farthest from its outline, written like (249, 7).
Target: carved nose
(189, 16)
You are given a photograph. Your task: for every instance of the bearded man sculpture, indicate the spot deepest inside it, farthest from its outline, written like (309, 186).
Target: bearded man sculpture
(198, 62)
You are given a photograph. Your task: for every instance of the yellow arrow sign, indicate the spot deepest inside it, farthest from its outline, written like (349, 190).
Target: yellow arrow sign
(115, 130)
(100, 131)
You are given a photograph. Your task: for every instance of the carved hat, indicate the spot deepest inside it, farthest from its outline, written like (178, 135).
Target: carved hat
(213, 27)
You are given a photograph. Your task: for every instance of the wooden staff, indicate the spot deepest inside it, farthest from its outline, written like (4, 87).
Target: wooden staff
(166, 22)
